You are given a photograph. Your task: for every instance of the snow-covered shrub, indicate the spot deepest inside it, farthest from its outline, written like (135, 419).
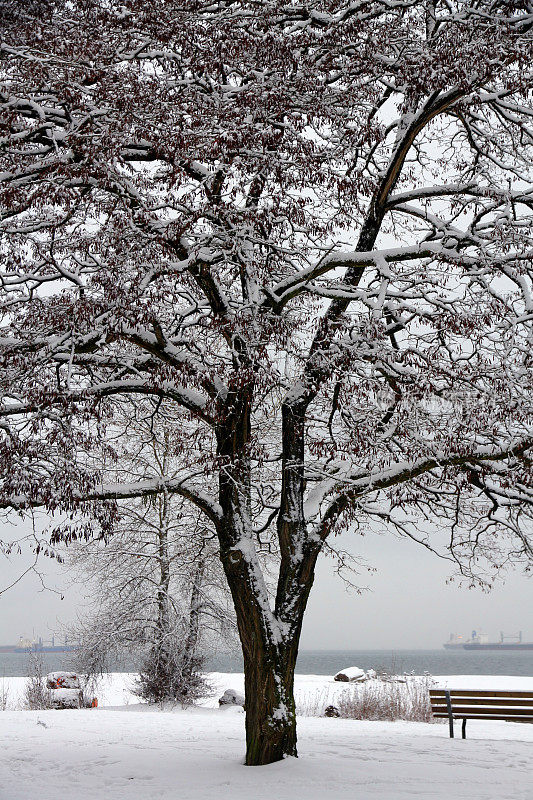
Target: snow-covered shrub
(375, 699)
(311, 703)
(169, 674)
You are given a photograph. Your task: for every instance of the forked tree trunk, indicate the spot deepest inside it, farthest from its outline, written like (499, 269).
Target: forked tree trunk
(269, 665)
(269, 638)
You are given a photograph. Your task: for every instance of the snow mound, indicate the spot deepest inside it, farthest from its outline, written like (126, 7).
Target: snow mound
(351, 674)
(231, 698)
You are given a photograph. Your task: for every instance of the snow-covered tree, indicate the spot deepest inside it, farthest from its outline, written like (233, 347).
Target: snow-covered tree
(305, 230)
(155, 588)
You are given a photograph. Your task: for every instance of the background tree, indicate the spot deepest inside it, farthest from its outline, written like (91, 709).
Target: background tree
(305, 231)
(155, 597)
(156, 589)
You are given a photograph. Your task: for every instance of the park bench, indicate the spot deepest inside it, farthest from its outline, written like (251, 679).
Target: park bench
(470, 704)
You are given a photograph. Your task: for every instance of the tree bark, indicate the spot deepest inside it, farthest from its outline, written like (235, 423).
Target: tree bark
(269, 643)
(163, 601)
(270, 707)
(193, 628)
(269, 660)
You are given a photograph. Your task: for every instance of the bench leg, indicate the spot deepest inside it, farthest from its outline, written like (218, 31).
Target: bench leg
(464, 728)
(450, 715)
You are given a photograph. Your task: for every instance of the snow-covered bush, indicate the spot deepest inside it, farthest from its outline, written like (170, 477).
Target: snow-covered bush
(374, 699)
(4, 695)
(169, 674)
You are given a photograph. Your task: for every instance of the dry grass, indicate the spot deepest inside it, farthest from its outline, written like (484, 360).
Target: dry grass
(373, 700)
(4, 695)
(36, 696)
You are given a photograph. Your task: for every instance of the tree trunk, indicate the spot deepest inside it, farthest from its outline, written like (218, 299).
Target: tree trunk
(269, 638)
(269, 661)
(163, 600)
(193, 627)
(270, 648)
(270, 711)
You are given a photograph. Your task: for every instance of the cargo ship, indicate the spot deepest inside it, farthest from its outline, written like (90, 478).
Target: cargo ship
(480, 641)
(455, 642)
(38, 646)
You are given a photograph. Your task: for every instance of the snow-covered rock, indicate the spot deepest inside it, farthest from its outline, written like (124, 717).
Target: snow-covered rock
(231, 698)
(62, 680)
(351, 674)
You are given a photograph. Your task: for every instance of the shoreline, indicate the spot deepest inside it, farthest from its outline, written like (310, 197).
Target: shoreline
(116, 689)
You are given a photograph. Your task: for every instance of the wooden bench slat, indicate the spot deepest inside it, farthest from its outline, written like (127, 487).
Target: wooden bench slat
(483, 712)
(472, 693)
(477, 711)
(502, 718)
(483, 701)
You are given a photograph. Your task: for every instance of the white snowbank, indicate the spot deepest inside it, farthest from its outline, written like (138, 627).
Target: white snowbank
(106, 754)
(117, 688)
(350, 674)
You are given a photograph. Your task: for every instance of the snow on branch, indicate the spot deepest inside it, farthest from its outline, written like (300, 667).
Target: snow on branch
(124, 491)
(357, 485)
(302, 234)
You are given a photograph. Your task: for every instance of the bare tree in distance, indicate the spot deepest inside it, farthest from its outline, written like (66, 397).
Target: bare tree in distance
(303, 229)
(155, 587)
(155, 597)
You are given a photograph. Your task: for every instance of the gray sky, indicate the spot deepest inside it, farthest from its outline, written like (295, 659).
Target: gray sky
(408, 603)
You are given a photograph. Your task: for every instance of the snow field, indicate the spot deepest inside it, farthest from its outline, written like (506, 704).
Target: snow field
(135, 752)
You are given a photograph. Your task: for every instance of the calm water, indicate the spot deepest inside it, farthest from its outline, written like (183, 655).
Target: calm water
(328, 662)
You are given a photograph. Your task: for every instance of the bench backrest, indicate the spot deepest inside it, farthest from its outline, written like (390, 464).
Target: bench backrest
(467, 703)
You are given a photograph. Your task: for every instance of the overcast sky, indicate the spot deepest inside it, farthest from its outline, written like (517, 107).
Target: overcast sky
(408, 603)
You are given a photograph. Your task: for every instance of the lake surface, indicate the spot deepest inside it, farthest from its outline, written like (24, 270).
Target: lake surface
(328, 662)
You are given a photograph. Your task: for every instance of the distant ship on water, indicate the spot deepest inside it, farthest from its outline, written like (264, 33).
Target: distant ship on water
(37, 646)
(480, 641)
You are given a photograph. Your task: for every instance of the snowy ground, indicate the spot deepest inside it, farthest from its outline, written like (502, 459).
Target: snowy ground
(127, 751)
